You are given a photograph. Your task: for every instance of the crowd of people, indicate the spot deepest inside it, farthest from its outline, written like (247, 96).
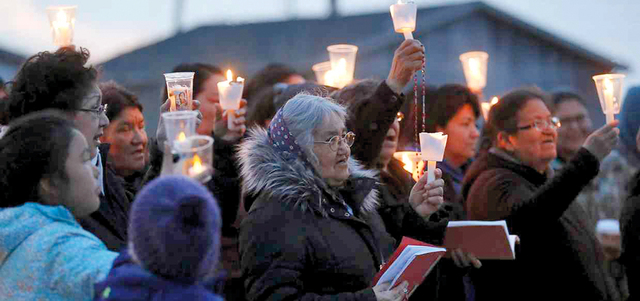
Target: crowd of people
(307, 200)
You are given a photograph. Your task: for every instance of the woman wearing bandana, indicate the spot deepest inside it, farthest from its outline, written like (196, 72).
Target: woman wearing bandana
(312, 230)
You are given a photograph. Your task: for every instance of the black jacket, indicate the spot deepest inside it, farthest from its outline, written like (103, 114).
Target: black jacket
(109, 223)
(630, 226)
(299, 241)
(559, 257)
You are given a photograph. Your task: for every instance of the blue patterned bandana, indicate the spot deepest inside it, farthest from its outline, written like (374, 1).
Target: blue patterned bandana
(282, 140)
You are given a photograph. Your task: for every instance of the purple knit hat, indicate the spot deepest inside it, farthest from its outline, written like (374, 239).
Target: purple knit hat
(174, 229)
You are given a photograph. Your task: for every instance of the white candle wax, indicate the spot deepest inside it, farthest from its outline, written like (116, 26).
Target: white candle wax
(609, 99)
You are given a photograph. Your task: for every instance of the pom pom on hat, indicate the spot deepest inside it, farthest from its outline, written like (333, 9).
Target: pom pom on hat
(174, 229)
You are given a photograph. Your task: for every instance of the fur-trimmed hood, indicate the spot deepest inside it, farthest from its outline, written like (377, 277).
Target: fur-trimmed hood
(282, 176)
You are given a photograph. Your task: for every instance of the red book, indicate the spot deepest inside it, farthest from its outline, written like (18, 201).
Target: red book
(412, 261)
(483, 239)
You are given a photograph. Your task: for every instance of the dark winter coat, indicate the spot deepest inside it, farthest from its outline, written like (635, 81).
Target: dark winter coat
(370, 119)
(127, 281)
(630, 226)
(299, 241)
(559, 257)
(109, 223)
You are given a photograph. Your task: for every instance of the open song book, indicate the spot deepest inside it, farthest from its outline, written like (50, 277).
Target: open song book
(483, 239)
(412, 261)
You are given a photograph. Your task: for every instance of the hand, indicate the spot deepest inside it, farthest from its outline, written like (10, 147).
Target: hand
(407, 59)
(161, 134)
(426, 199)
(602, 141)
(463, 259)
(396, 294)
(238, 127)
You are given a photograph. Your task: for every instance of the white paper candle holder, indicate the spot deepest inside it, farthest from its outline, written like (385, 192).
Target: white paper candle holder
(474, 65)
(63, 21)
(403, 15)
(343, 63)
(609, 88)
(432, 146)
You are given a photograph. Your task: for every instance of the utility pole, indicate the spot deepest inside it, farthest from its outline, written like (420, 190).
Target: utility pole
(333, 13)
(177, 16)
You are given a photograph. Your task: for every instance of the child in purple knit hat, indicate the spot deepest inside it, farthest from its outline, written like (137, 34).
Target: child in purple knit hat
(174, 245)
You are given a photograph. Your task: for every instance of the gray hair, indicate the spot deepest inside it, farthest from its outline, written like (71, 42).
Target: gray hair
(304, 113)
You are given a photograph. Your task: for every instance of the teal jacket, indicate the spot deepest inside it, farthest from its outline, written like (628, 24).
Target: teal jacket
(46, 255)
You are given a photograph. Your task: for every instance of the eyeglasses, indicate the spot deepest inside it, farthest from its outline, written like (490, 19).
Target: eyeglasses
(579, 120)
(99, 111)
(542, 125)
(334, 142)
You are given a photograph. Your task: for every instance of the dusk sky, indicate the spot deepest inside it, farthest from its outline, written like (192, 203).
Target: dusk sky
(110, 28)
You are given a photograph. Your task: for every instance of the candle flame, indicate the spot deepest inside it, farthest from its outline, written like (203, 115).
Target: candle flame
(494, 100)
(197, 164)
(408, 164)
(229, 75)
(608, 85)
(474, 66)
(62, 17)
(182, 136)
(239, 79)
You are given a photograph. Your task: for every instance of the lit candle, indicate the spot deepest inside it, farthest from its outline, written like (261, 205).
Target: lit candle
(608, 99)
(474, 65)
(486, 107)
(610, 93)
(403, 15)
(230, 92)
(196, 167)
(412, 163)
(62, 21)
(432, 146)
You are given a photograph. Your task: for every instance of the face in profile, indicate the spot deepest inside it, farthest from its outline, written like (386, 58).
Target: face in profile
(128, 139)
(463, 136)
(91, 123)
(334, 164)
(535, 147)
(79, 191)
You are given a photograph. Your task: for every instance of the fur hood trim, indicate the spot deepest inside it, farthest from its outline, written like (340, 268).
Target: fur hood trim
(282, 176)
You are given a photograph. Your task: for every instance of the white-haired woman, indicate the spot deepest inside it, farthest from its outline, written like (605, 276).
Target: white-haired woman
(312, 232)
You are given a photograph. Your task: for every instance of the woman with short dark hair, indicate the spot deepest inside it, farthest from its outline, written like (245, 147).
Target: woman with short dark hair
(60, 80)
(125, 134)
(514, 181)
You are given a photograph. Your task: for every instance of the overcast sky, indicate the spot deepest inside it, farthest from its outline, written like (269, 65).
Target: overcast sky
(110, 28)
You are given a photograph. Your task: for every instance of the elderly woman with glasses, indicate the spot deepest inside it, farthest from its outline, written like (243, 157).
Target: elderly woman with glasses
(312, 230)
(513, 181)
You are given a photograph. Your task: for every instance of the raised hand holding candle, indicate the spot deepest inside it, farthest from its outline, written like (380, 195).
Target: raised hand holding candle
(63, 20)
(609, 88)
(230, 92)
(432, 146)
(403, 15)
(474, 65)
